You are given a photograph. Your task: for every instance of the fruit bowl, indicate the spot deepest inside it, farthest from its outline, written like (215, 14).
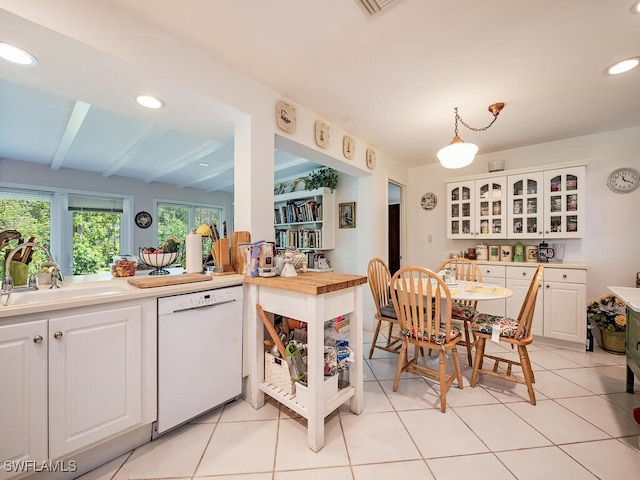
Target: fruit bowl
(157, 260)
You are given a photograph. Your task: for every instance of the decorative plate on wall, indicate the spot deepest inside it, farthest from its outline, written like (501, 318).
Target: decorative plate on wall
(286, 116)
(371, 158)
(348, 147)
(322, 134)
(429, 201)
(143, 219)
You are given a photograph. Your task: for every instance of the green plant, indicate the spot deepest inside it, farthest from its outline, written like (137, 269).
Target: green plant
(608, 313)
(324, 177)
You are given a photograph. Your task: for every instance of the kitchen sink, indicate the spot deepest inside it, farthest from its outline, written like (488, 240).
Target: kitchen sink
(69, 292)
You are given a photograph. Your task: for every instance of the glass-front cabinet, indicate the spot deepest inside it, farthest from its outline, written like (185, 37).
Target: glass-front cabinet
(526, 205)
(461, 209)
(491, 210)
(477, 208)
(564, 203)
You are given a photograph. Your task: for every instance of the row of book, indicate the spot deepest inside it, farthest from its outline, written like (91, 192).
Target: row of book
(295, 211)
(304, 238)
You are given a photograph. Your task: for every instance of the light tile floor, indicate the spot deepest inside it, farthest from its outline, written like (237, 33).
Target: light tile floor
(581, 428)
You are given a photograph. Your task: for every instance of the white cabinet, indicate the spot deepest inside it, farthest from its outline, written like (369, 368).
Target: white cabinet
(494, 275)
(561, 303)
(528, 203)
(74, 379)
(95, 370)
(477, 209)
(23, 393)
(305, 220)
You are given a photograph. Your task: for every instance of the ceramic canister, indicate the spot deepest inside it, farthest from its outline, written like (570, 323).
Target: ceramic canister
(505, 253)
(531, 253)
(494, 253)
(482, 252)
(518, 252)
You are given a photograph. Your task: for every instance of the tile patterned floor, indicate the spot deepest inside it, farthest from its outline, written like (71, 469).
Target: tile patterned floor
(582, 428)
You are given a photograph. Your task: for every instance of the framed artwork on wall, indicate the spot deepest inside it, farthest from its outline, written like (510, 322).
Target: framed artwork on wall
(347, 212)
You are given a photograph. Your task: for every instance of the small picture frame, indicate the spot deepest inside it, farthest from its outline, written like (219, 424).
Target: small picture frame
(347, 213)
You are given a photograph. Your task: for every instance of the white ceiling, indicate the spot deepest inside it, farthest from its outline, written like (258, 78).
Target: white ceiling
(391, 79)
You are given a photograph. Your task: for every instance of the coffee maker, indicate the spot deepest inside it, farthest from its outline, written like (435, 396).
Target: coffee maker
(545, 252)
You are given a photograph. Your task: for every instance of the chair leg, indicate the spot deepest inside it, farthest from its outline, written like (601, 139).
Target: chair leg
(477, 364)
(389, 338)
(527, 371)
(456, 364)
(533, 377)
(375, 338)
(468, 342)
(443, 381)
(402, 358)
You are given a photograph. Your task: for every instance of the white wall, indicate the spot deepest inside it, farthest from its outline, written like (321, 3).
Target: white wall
(610, 246)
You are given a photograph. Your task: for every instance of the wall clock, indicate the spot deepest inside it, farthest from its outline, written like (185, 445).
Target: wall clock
(286, 116)
(429, 201)
(143, 219)
(624, 180)
(371, 158)
(322, 134)
(348, 147)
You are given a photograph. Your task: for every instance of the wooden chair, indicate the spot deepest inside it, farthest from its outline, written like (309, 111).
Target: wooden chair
(423, 305)
(464, 310)
(378, 276)
(514, 332)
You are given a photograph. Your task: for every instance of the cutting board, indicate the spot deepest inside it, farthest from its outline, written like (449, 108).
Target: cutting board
(165, 280)
(236, 255)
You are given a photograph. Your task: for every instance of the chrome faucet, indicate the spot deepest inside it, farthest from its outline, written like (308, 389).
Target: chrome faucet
(7, 281)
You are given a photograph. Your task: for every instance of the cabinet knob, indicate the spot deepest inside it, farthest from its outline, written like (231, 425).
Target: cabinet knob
(546, 231)
(524, 274)
(547, 286)
(564, 275)
(57, 335)
(38, 339)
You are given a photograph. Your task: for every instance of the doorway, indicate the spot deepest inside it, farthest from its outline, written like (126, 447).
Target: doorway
(394, 226)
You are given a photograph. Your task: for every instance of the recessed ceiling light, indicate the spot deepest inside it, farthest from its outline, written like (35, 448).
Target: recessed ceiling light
(204, 164)
(636, 7)
(149, 101)
(16, 55)
(623, 66)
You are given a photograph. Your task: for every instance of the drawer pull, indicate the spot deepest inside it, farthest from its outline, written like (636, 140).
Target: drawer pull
(564, 275)
(38, 339)
(57, 335)
(524, 274)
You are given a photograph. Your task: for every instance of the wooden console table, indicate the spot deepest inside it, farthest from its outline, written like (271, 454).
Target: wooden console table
(312, 298)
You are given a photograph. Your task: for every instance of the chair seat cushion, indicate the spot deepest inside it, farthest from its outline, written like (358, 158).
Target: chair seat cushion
(462, 312)
(484, 322)
(388, 311)
(455, 331)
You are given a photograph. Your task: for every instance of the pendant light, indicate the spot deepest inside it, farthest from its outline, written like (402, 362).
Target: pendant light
(459, 154)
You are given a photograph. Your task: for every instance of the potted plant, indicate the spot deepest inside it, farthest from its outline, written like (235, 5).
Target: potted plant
(324, 177)
(608, 313)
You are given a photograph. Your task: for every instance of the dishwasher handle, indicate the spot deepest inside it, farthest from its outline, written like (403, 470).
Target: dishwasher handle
(210, 305)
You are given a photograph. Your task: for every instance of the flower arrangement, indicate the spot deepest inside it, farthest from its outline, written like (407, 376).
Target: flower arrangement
(608, 313)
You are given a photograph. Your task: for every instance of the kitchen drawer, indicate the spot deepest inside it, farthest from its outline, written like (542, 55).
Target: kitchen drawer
(521, 273)
(493, 271)
(565, 275)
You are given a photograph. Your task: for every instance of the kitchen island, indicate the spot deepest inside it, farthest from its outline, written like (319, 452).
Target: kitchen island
(631, 298)
(313, 298)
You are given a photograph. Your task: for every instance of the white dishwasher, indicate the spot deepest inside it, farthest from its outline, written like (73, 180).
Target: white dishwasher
(199, 354)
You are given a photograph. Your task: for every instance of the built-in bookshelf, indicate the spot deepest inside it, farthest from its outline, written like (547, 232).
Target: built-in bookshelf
(305, 220)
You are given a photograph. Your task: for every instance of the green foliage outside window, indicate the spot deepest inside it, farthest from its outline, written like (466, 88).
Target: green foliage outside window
(96, 239)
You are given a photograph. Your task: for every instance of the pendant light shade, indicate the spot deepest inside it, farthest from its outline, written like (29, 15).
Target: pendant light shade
(457, 154)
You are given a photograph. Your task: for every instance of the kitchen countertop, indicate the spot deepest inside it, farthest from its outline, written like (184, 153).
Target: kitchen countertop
(121, 290)
(579, 266)
(629, 295)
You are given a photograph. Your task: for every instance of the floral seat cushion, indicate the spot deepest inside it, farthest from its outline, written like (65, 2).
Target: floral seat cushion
(460, 311)
(453, 332)
(484, 322)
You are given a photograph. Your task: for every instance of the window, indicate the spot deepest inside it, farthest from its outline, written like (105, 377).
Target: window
(177, 219)
(28, 212)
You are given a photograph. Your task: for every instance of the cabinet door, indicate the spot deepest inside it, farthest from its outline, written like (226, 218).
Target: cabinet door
(23, 393)
(564, 203)
(526, 205)
(461, 211)
(564, 311)
(520, 287)
(95, 377)
(491, 207)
